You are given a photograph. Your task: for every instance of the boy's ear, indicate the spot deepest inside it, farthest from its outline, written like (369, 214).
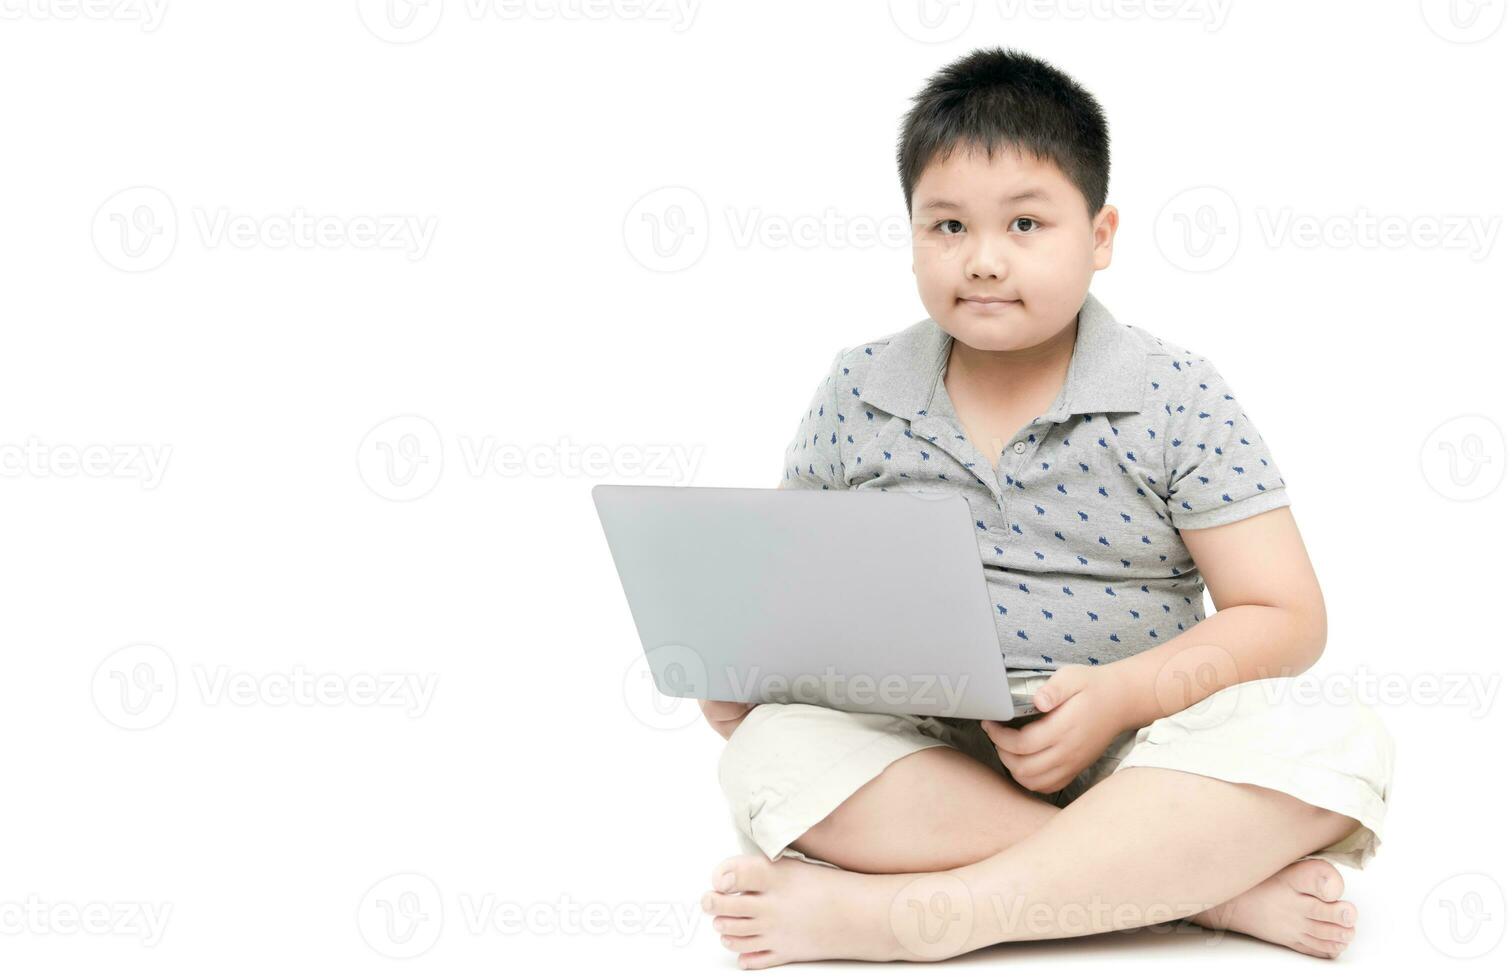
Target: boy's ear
(1104, 227)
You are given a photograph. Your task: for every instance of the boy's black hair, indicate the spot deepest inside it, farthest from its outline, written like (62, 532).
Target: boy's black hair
(994, 98)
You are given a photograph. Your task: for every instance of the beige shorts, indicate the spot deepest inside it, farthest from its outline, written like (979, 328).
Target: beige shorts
(789, 765)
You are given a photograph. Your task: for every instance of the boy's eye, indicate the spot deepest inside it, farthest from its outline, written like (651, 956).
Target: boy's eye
(949, 221)
(1019, 227)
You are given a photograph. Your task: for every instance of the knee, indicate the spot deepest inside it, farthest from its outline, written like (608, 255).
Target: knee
(778, 746)
(763, 738)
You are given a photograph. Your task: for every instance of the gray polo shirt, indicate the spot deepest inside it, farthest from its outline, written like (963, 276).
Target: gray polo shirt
(1077, 522)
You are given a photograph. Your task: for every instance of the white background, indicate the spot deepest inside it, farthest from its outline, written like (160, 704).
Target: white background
(538, 316)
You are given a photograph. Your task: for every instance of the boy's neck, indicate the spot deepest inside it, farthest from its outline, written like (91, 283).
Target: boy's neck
(1003, 374)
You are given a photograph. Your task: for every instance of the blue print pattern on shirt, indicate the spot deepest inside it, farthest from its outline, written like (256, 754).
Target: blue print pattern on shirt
(1078, 533)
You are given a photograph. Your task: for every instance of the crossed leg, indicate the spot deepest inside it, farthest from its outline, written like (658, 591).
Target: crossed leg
(931, 810)
(1152, 844)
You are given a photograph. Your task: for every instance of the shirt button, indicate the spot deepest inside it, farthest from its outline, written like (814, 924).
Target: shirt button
(1018, 447)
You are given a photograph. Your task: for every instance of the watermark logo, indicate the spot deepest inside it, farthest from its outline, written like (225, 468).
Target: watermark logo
(1465, 916)
(662, 688)
(400, 21)
(1465, 458)
(931, 916)
(1464, 21)
(136, 229)
(401, 916)
(667, 229)
(1198, 682)
(136, 687)
(401, 458)
(1198, 229)
(931, 21)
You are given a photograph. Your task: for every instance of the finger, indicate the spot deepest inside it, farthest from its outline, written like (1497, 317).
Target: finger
(1057, 692)
(1009, 738)
(724, 710)
(1044, 780)
(1030, 767)
(1040, 763)
(1028, 739)
(1003, 736)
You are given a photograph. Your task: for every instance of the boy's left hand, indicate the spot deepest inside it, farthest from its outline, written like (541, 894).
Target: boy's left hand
(1083, 710)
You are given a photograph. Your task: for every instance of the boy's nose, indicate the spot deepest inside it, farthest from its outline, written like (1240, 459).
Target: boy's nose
(986, 260)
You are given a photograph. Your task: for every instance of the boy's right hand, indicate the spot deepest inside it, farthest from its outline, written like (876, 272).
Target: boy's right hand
(725, 716)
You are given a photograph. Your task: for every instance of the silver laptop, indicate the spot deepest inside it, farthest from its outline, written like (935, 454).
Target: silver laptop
(859, 600)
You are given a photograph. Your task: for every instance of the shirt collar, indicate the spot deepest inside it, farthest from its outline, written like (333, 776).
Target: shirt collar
(1106, 374)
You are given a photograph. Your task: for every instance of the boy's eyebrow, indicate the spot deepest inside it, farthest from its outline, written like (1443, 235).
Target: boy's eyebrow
(1032, 194)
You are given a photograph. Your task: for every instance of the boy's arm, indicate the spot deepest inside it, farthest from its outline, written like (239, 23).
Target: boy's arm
(1271, 620)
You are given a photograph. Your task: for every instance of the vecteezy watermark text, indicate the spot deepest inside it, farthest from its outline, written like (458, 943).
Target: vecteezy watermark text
(926, 692)
(137, 230)
(34, 916)
(402, 916)
(132, 461)
(304, 688)
(147, 14)
(137, 687)
(402, 459)
(408, 21)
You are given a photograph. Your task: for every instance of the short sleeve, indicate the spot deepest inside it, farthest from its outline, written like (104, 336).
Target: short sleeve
(813, 460)
(1219, 469)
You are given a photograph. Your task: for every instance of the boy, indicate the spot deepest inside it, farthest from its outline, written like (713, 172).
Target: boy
(1172, 772)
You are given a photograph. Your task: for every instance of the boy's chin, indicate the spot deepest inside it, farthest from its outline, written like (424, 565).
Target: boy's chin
(991, 333)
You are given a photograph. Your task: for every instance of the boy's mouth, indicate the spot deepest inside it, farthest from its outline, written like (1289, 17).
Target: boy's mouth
(987, 304)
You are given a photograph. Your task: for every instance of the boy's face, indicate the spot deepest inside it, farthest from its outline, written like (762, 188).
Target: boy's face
(1013, 228)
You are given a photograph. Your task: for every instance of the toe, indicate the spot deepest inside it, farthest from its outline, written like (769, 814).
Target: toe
(1329, 948)
(1328, 932)
(1315, 877)
(1315, 909)
(1319, 947)
(730, 925)
(1338, 913)
(743, 873)
(718, 903)
(744, 944)
(759, 961)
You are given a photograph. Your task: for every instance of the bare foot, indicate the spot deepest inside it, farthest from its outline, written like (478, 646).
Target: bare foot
(785, 911)
(1297, 907)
